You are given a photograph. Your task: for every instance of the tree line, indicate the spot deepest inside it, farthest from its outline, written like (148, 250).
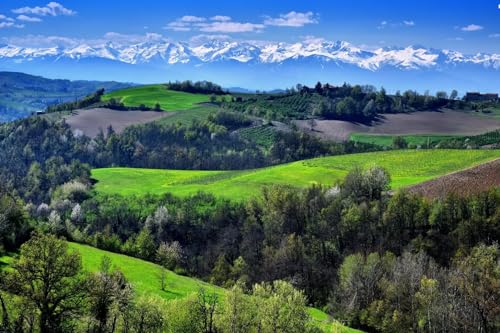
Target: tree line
(346, 102)
(198, 87)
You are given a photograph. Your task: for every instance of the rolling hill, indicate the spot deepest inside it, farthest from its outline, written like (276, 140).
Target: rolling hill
(143, 276)
(149, 95)
(406, 168)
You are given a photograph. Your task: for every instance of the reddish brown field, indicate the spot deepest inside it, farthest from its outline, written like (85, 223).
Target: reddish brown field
(462, 183)
(92, 120)
(428, 122)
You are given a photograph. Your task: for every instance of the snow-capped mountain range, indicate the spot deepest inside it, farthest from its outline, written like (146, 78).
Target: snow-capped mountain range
(248, 64)
(411, 57)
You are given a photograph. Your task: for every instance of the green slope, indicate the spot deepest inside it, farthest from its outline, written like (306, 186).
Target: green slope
(407, 167)
(386, 140)
(149, 95)
(144, 277)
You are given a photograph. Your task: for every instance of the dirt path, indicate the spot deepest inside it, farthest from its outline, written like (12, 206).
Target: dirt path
(92, 120)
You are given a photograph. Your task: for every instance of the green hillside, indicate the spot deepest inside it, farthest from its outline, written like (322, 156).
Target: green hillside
(407, 167)
(144, 277)
(386, 140)
(149, 95)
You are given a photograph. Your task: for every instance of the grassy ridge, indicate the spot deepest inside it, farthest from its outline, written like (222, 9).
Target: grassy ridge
(386, 140)
(149, 95)
(406, 167)
(144, 277)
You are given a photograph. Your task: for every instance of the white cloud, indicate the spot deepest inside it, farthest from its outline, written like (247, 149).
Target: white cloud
(230, 27)
(292, 19)
(472, 27)
(191, 18)
(221, 18)
(458, 39)
(178, 26)
(217, 24)
(9, 24)
(51, 9)
(184, 23)
(225, 24)
(497, 35)
(26, 18)
(387, 24)
(2, 17)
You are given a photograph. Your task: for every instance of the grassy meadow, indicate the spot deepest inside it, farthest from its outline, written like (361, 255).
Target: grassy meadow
(406, 167)
(144, 276)
(149, 95)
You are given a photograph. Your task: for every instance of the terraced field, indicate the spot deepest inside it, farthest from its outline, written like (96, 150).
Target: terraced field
(149, 95)
(407, 167)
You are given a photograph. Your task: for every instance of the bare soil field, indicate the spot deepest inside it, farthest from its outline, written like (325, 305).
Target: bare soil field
(463, 183)
(428, 122)
(92, 120)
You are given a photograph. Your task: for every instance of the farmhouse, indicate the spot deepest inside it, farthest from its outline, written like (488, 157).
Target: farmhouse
(478, 97)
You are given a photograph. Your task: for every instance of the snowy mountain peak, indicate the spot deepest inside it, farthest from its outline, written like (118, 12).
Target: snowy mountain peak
(340, 52)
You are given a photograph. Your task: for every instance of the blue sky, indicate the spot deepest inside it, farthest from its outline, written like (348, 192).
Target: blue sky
(467, 26)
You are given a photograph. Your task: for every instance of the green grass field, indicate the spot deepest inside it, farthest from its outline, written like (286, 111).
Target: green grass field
(149, 95)
(386, 140)
(144, 276)
(407, 167)
(186, 117)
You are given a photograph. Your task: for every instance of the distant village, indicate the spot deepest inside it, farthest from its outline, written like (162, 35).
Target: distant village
(478, 97)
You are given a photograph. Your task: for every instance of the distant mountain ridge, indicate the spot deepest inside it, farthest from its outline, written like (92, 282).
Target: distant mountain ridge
(261, 65)
(411, 57)
(22, 94)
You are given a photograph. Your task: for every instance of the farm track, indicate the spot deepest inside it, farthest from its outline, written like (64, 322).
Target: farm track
(463, 183)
